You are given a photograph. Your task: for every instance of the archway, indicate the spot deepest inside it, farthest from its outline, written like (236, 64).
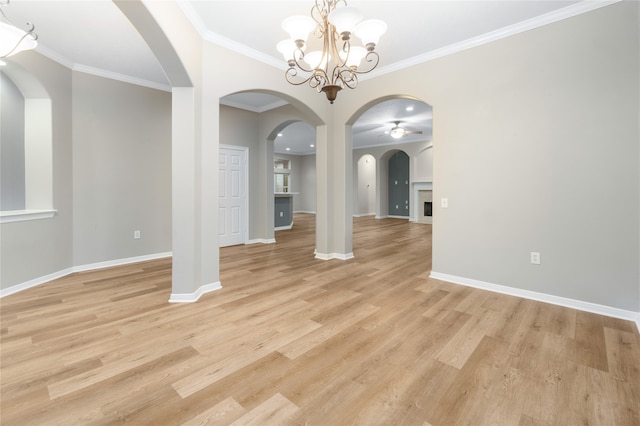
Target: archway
(272, 128)
(35, 164)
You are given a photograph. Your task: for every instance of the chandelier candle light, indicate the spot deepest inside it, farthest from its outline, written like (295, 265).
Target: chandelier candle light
(339, 62)
(12, 38)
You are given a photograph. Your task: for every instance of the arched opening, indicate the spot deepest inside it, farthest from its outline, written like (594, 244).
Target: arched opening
(372, 136)
(27, 151)
(396, 132)
(280, 138)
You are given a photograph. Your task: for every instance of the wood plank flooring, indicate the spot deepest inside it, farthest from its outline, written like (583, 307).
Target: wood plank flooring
(292, 340)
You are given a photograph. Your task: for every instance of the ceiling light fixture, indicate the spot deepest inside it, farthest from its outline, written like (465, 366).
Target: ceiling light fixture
(12, 38)
(397, 132)
(338, 64)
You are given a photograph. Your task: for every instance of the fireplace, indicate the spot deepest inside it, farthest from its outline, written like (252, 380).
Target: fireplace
(422, 209)
(428, 205)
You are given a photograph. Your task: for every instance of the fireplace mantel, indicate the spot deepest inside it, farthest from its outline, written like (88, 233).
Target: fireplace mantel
(419, 186)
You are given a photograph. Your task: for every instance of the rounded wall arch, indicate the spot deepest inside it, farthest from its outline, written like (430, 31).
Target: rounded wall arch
(270, 122)
(382, 157)
(38, 144)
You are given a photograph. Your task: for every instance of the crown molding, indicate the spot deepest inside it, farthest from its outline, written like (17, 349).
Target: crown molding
(539, 21)
(508, 31)
(54, 56)
(253, 108)
(121, 77)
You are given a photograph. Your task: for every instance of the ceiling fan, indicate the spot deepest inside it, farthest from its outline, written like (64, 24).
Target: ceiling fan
(397, 132)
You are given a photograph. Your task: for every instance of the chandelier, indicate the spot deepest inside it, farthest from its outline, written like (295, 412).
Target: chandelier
(12, 38)
(338, 63)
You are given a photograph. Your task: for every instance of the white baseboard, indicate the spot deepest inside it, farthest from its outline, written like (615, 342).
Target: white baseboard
(193, 297)
(303, 211)
(262, 241)
(34, 282)
(329, 256)
(284, 228)
(543, 297)
(88, 267)
(120, 262)
(364, 214)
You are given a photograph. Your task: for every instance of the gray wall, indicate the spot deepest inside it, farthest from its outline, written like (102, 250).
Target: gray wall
(537, 150)
(530, 131)
(34, 249)
(12, 177)
(121, 170)
(306, 201)
(240, 128)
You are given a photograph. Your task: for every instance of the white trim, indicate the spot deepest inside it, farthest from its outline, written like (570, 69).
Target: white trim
(364, 214)
(253, 108)
(508, 31)
(542, 297)
(262, 241)
(417, 187)
(54, 56)
(329, 256)
(23, 215)
(120, 262)
(392, 216)
(34, 282)
(100, 265)
(193, 297)
(304, 211)
(284, 228)
(121, 77)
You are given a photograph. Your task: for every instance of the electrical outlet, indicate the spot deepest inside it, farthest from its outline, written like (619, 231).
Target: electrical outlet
(136, 235)
(444, 203)
(281, 214)
(535, 258)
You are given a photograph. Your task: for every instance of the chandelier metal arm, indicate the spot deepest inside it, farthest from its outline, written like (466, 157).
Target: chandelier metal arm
(28, 33)
(339, 65)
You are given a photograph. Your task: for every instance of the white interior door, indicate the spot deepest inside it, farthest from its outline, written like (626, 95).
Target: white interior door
(233, 211)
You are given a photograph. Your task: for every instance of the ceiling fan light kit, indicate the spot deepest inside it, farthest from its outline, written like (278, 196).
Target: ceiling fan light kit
(338, 63)
(12, 38)
(398, 132)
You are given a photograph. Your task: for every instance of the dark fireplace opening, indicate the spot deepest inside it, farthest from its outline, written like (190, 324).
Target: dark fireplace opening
(427, 208)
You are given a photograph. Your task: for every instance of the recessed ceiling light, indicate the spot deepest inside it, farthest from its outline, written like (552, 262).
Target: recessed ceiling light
(280, 135)
(288, 149)
(409, 108)
(312, 145)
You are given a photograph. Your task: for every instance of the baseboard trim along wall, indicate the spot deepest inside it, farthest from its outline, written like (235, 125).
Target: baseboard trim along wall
(262, 240)
(329, 256)
(542, 297)
(193, 297)
(99, 265)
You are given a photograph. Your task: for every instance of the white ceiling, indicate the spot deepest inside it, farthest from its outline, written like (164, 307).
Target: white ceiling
(94, 36)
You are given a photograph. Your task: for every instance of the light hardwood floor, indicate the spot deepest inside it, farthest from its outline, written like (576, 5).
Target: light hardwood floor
(294, 340)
